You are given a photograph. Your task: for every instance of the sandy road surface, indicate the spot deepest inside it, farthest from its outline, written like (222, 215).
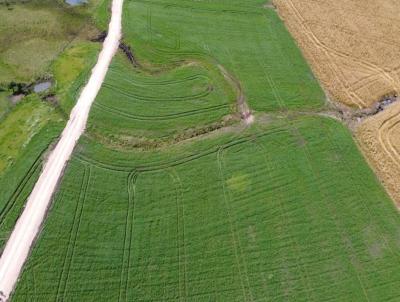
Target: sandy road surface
(28, 225)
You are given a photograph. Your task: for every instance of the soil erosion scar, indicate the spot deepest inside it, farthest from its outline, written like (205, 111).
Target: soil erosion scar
(28, 225)
(242, 106)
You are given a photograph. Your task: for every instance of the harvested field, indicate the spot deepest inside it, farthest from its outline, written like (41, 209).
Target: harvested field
(379, 138)
(133, 103)
(352, 45)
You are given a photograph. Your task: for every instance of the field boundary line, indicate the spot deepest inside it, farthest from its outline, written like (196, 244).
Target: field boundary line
(180, 207)
(129, 225)
(73, 234)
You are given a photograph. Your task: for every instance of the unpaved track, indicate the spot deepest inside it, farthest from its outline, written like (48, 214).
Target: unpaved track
(28, 225)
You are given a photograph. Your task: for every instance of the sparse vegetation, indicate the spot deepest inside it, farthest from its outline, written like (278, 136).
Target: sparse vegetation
(34, 33)
(177, 83)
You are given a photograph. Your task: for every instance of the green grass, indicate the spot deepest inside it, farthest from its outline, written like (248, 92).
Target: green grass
(30, 32)
(135, 103)
(249, 40)
(71, 69)
(5, 104)
(284, 210)
(287, 212)
(24, 120)
(17, 181)
(34, 33)
(164, 97)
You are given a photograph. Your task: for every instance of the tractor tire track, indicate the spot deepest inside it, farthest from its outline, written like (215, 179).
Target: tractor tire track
(129, 222)
(180, 225)
(19, 189)
(165, 117)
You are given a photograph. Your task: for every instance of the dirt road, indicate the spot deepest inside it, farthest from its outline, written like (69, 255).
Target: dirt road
(28, 225)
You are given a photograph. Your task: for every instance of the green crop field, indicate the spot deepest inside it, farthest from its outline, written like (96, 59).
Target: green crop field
(169, 197)
(249, 40)
(193, 61)
(139, 104)
(275, 212)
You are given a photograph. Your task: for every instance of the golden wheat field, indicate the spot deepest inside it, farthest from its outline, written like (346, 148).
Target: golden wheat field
(352, 45)
(353, 48)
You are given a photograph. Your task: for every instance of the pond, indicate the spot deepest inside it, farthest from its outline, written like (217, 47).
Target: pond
(40, 87)
(75, 2)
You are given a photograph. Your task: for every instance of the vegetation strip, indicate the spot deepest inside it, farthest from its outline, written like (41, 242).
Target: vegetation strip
(28, 225)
